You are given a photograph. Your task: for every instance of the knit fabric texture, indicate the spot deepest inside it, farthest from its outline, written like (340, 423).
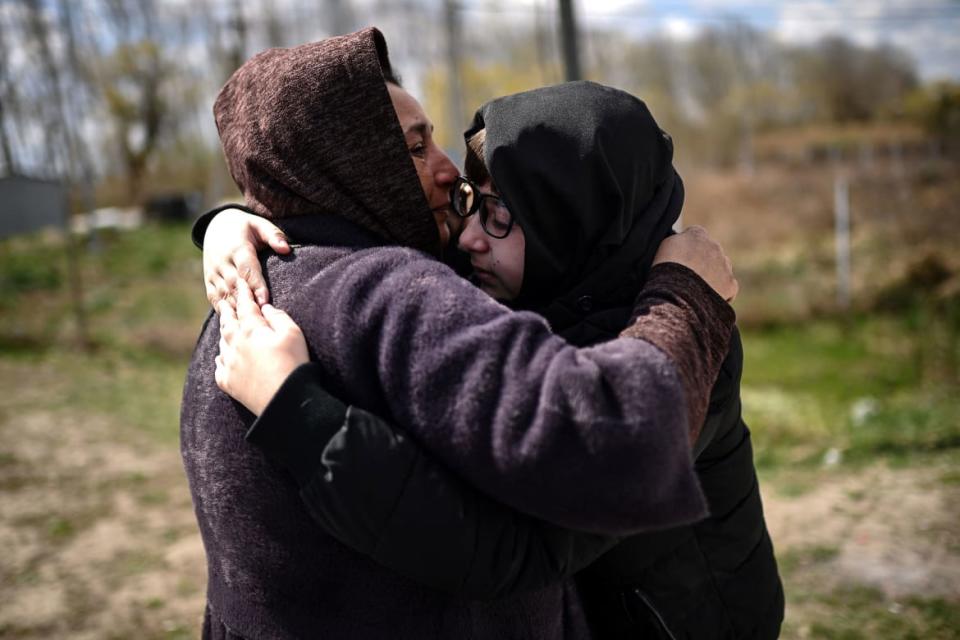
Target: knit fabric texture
(284, 117)
(670, 289)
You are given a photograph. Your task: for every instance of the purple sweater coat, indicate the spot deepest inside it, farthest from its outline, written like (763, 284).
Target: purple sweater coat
(595, 438)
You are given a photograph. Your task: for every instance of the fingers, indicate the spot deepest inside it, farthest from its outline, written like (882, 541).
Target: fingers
(228, 327)
(220, 283)
(248, 268)
(696, 230)
(291, 346)
(227, 284)
(279, 320)
(227, 312)
(248, 311)
(736, 290)
(696, 250)
(267, 233)
(214, 284)
(213, 296)
(734, 284)
(228, 321)
(230, 254)
(220, 374)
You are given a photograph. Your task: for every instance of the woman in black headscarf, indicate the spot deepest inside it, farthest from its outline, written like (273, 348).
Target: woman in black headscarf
(587, 176)
(578, 180)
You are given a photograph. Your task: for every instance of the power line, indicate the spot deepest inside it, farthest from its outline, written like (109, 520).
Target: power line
(659, 13)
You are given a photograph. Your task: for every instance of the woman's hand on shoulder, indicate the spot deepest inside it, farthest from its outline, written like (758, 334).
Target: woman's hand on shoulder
(696, 250)
(230, 247)
(259, 349)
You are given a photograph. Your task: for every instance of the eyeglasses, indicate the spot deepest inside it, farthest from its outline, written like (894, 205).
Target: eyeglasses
(466, 199)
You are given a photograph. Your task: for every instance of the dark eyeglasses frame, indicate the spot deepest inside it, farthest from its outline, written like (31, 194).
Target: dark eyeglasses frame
(477, 205)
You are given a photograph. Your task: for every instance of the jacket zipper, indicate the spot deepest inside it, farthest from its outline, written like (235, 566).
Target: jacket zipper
(640, 594)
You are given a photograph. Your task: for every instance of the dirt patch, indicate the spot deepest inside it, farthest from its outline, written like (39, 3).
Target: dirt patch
(100, 539)
(893, 530)
(101, 532)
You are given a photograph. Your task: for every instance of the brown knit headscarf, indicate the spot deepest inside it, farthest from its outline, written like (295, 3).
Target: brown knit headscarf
(311, 129)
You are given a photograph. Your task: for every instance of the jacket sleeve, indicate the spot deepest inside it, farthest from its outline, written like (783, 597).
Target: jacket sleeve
(723, 412)
(373, 489)
(594, 439)
(673, 300)
(199, 229)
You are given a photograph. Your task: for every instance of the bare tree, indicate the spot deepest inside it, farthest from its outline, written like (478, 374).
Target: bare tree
(135, 80)
(48, 89)
(133, 91)
(7, 96)
(852, 83)
(80, 103)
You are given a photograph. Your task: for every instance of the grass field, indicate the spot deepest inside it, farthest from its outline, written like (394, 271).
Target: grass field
(856, 423)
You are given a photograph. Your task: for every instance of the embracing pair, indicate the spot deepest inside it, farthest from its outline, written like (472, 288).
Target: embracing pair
(556, 452)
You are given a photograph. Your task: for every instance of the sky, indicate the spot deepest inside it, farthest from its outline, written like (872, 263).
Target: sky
(928, 30)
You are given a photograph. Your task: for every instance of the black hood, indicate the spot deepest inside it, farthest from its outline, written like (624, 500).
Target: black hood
(588, 175)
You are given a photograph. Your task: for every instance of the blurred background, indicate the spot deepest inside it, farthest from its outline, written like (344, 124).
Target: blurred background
(819, 141)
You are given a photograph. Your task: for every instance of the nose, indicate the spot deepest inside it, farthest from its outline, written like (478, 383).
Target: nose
(444, 171)
(473, 239)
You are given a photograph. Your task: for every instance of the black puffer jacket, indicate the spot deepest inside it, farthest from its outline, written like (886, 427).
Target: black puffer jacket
(380, 494)
(715, 579)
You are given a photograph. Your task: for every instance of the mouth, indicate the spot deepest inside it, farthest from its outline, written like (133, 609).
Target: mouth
(483, 274)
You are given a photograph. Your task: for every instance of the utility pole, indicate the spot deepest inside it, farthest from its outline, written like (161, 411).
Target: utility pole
(841, 209)
(569, 39)
(9, 165)
(451, 11)
(6, 95)
(540, 38)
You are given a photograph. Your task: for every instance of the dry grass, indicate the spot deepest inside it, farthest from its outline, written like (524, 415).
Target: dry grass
(778, 227)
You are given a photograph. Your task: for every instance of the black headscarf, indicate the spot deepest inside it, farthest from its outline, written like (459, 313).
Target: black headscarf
(588, 175)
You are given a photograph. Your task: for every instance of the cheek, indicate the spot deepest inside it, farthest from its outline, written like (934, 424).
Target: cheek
(516, 273)
(426, 181)
(517, 257)
(455, 223)
(441, 219)
(508, 265)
